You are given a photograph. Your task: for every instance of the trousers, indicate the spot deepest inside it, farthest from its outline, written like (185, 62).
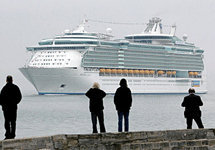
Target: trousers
(197, 120)
(10, 123)
(100, 115)
(126, 119)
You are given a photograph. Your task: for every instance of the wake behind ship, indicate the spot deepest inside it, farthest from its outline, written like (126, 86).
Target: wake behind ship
(152, 62)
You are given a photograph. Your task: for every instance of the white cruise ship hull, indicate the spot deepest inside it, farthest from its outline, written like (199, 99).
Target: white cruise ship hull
(78, 81)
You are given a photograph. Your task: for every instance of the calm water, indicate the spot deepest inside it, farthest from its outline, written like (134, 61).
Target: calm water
(69, 114)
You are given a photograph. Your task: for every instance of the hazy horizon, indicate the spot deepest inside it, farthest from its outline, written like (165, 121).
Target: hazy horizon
(24, 23)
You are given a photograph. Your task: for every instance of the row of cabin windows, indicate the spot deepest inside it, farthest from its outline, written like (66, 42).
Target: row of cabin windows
(58, 48)
(130, 54)
(51, 56)
(148, 37)
(34, 64)
(50, 60)
(158, 67)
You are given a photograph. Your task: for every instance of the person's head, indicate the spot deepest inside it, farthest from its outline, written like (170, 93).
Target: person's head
(191, 91)
(95, 85)
(9, 79)
(123, 82)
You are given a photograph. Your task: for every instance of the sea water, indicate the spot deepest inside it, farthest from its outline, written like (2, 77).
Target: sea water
(45, 115)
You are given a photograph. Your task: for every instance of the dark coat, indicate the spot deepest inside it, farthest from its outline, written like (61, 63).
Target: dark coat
(191, 104)
(10, 97)
(96, 99)
(123, 99)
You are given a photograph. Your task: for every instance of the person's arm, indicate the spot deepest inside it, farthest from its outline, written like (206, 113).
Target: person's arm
(103, 94)
(19, 95)
(184, 103)
(116, 97)
(88, 94)
(200, 101)
(130, 97)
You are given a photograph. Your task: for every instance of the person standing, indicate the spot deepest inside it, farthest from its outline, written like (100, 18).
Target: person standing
(96, 95)
(192, 110)
(123, 102)
(9, 98)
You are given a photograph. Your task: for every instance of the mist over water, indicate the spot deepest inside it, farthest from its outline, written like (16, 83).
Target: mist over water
(44, 115)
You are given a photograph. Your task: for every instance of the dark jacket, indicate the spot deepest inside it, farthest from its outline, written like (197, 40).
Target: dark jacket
(191, 104)
(95, 96)
(10, 97)
(123, 99)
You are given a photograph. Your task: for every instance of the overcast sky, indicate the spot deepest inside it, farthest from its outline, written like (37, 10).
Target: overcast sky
(25, 22)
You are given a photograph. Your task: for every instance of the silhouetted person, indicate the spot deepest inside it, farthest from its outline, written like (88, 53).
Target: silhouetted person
(192, 110)
(96, 96)
(9, 98)
(123, 102)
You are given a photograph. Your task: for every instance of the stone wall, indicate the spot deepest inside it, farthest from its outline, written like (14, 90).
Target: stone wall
(196, 139)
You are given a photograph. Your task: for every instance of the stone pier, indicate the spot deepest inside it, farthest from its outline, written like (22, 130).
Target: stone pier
(196, 139)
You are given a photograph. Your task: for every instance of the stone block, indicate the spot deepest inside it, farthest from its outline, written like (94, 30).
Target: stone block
(136, 146)
(136, 135)
(164, 144)
(200, 133)
(28, 143)
(210, 133)
(72, 140)
(147, 145)
(179, 148)
(178, 144)
(155, 136)
(203, 148)
(89, 139)
(211, 142)
(60, 142)
(44, 142)
(205, 142)
(194, 143)
(125, 146)
(115, 138)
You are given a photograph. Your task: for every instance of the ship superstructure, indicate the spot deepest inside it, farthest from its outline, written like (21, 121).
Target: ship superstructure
(152, 62)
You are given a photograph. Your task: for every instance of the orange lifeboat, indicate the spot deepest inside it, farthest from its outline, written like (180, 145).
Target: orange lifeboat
(151, 72)
(113, 71)
(125, 71)
(169, 72)
(108, 70)
(195, 73)
(142, 71)
(146, 71)
(102, 70)
(119, 71)
(191, 73)
(136, 71)
(174, 72)
(130, 71)
(160, 72)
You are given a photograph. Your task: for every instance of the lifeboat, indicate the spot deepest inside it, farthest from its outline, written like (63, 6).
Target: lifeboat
(136, 71)
(113, 71)
(119, 70)
(146, 71)
(195, 73)
(151, 72)
(125, 71)
(130, 71)
(174, 72)
(102, 70)
(191, 73)
(108, 70)
(160, 72)
(142, 72)
(169, 72)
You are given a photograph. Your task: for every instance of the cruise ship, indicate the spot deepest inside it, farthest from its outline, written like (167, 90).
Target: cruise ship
(152, 62)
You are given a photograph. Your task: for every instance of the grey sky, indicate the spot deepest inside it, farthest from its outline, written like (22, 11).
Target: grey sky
(24, 23)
